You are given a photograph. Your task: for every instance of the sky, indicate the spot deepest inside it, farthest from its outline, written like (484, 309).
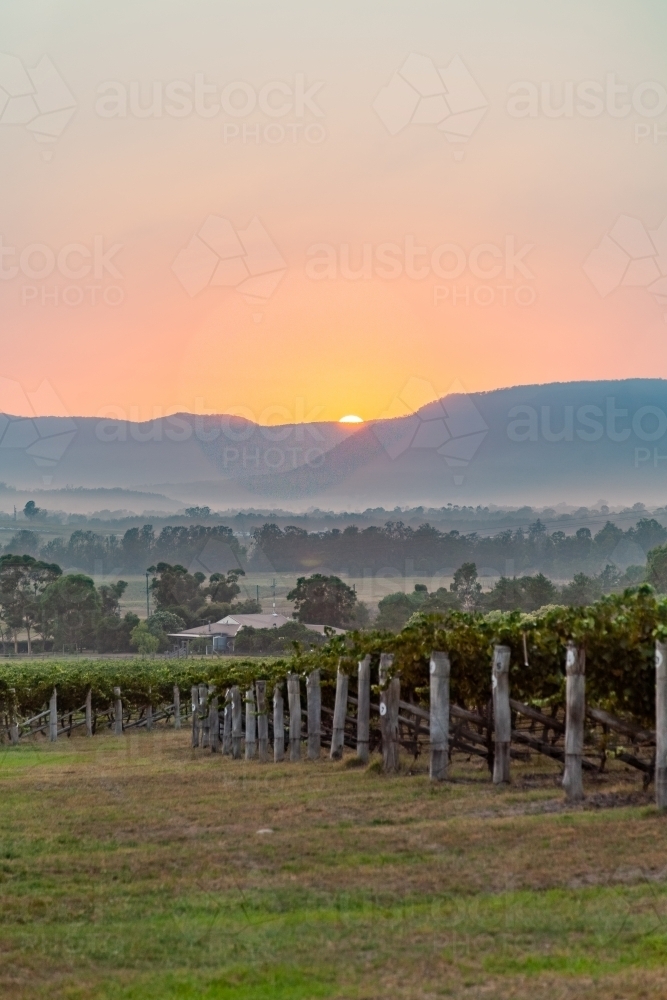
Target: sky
(293, 211)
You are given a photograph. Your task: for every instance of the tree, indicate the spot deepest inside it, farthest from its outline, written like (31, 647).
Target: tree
(656, 568)
(143, 640)
(466, 586)
(161, 623)
(394, 611)
(23, 580)
(582, 591)
(112, 634)
(526, 593)
(174, 589)
(71, 610)
(323, 600)
(197, 511)
(648, 533)
(25, 543)
(110, 595)
(223, 589)
(32, 511)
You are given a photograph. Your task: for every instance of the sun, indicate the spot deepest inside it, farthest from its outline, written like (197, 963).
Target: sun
(350, 419)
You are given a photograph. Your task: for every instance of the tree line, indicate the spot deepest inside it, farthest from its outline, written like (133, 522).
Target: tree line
(428, 550)
(425, 550)
(67, 612)
(130, 553)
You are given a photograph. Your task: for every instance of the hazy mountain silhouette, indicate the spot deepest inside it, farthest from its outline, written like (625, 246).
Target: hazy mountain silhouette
(572, 441)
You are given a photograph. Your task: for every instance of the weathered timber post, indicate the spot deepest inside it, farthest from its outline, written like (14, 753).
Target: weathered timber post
(13, 721)
(661, 725)
(53, 717)
(203, 714)
(214, 723)
(278, 725)
(250, 724)
(294, 702)
(237, 723)
(177, 707)
(340, 711)
(390, 694)
(117, 712)
(227, 723)
(364, 708)
(439, 671)
(314, 703)
(502, 717)
(149, 711)
(262, 722)
(194, 698)
(575, 707)
(89, 712)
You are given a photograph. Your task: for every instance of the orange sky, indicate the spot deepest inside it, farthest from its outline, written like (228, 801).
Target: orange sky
(475, 249)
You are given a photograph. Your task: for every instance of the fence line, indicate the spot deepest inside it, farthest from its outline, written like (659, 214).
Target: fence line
(507, 730)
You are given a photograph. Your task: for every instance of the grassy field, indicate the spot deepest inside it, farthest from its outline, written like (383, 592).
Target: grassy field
(138, 868)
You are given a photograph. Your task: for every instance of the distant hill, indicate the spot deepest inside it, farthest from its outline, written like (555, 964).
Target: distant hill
(538, 444)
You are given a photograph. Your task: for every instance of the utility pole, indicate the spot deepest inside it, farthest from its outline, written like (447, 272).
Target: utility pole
(148, 608)
(274, 595)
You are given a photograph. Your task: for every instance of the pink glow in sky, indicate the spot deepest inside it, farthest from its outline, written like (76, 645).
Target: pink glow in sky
(289, 210)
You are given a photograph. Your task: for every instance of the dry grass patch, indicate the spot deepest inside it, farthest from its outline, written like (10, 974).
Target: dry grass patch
(135, 867)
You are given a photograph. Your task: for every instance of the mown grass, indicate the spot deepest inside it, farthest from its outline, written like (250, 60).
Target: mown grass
(134, 868)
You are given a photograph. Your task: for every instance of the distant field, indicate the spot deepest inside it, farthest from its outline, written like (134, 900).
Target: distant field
(135, 868)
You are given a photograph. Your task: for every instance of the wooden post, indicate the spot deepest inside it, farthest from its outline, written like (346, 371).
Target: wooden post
(661, 725)
(294, 702)
(89, 712)
(53, 717)
(340, 711)
(278, 725)
(203, 714)
(250, 724)
(390, 694)
(227, 723)
(364, 708)
(13, 721)
(575, 708)
(149, 712)
(118, 712)
(194, 699)
(177, 707)
(214, 723)
(502, 717)
(439, 671)
(237, 723)
(262, 722)
(314, 702)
